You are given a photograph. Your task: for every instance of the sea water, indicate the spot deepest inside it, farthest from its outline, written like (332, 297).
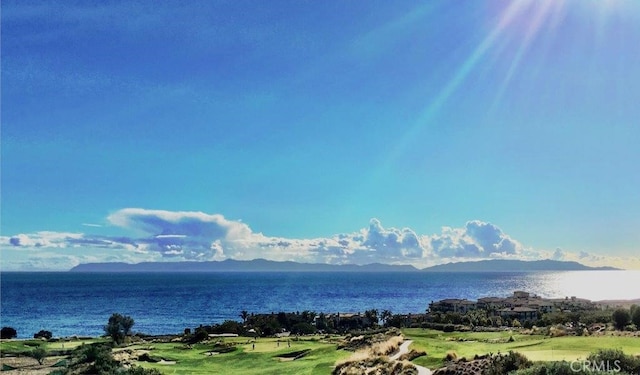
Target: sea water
(80, 303)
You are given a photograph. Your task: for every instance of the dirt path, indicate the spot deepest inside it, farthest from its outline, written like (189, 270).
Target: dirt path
(404, 348)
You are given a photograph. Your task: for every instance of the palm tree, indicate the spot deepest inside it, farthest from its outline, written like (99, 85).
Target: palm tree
(372, 316)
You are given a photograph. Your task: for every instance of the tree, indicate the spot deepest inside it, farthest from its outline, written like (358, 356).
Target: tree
(372, 317)
(119, 327)
(386, 315)
(244, 314)
(635, 316)
(39, 354)
(621, 318)
(8, 333)
(47, 335)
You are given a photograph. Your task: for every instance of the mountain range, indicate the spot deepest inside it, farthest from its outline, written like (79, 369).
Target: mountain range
(263, 265)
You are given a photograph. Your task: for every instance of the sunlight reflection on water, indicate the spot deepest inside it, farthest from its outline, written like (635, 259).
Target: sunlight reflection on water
(593, 285)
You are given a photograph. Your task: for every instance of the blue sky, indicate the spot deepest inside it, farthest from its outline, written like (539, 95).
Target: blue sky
(332, 131)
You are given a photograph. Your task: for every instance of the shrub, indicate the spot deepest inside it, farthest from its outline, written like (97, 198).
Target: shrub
(8, 333)
(451, 356)
(504, 364)
(448, 328)
(137, 370)
(39, 354)
(558, 368)
(612, 357)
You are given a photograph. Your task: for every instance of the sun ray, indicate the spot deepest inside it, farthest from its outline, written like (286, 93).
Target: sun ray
(542, 11)
(506, 18)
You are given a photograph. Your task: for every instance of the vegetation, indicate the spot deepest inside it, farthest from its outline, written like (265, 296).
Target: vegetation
(635, 315)
(320, 354)
(616, 358)
(42, 334)
(536, 347)
(251, 357)
(39, 354)
(8, 333)
(118, 327)
(621, 318)
(504, 364)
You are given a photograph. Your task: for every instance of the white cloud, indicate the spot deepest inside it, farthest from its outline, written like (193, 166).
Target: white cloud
(182, 235)
(476, 240)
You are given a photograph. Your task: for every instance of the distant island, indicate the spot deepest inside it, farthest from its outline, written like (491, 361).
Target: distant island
(263, 265)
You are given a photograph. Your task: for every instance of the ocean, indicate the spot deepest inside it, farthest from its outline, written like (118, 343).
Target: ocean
(80, 303)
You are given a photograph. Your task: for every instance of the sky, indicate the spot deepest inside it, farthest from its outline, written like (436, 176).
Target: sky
(403, 132)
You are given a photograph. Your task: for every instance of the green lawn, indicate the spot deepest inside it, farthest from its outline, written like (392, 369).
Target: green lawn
(263, 359)
(247, 360)
(536, 348)
(20, 346)
(23, 347)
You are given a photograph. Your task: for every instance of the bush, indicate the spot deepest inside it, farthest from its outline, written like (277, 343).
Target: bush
(558, 368)
(137, 370)
(504, 364)
(43, 334)
(451, 356)
(98, 356)
(39, 354)
(615, 357)
(448, 328)
(8, 333)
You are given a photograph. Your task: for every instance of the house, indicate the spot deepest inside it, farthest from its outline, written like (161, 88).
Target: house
(520, 294)
(490, 303)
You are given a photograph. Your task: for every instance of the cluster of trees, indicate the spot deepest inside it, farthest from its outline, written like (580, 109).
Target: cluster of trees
(309, 322)
(627, 319)
(297, 323)
(621, 318)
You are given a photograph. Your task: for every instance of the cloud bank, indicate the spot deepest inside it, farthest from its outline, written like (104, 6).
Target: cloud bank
(181, 235)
